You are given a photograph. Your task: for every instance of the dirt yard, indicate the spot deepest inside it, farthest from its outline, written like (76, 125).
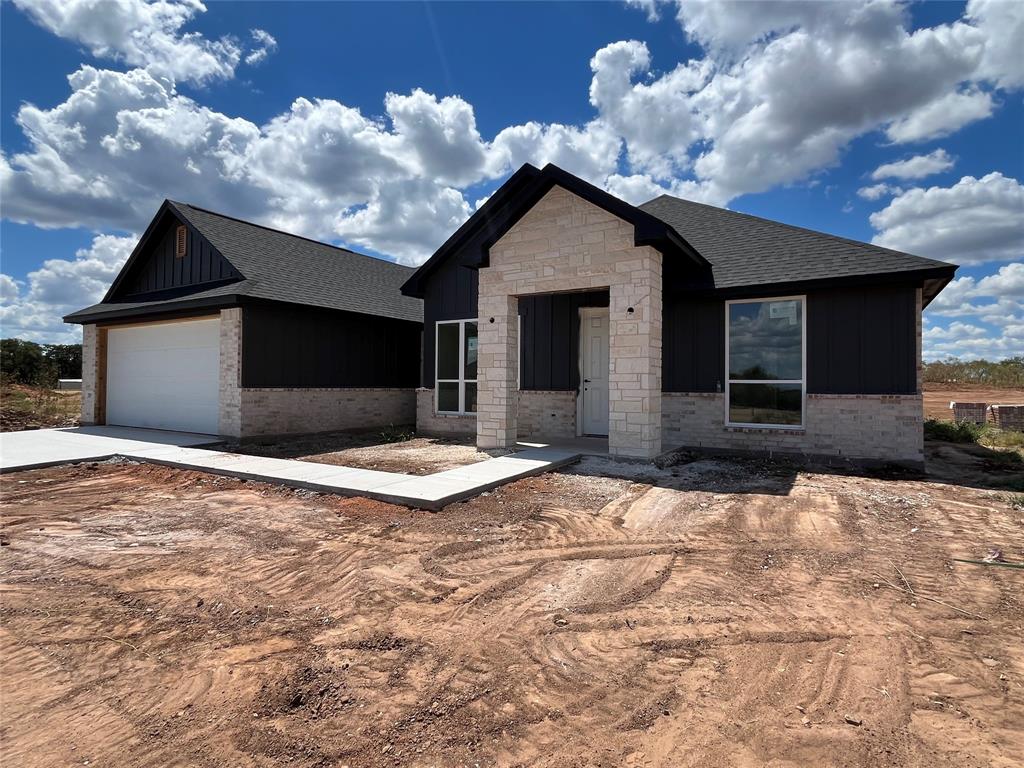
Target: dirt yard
(23, 407)
(938, 396)
(371, 450)
(711, 614)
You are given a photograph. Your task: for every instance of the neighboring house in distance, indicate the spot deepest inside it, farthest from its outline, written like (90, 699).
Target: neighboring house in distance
(216, 325)
(689, 325)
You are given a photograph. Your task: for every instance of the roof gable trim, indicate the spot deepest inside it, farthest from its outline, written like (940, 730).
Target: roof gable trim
(517, 196)
(167, 208)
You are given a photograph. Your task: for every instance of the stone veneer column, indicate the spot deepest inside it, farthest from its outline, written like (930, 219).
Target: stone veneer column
(497, 361)
(93, 374)
(634, 360)
(229, 421)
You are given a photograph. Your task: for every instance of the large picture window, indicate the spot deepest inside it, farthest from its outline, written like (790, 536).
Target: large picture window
(764, 351)
(455, 369)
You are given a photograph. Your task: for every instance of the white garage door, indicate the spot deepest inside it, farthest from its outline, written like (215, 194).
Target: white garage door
(164, 376)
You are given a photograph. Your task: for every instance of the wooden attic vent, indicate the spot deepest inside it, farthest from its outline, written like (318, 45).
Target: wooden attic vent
(180, 242)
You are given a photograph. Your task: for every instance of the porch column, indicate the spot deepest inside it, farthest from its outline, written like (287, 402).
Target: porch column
(497, 363)
(634, 361)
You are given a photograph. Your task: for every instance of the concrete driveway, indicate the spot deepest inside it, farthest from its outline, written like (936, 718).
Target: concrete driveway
(46, 447)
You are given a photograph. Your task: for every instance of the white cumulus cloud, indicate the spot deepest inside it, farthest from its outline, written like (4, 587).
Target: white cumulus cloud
(941, 117)
(916, 167)
(974, 221)
(60, 286)
(141, 34)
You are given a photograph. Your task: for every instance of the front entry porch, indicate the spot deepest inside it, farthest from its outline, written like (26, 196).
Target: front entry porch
(565, 244)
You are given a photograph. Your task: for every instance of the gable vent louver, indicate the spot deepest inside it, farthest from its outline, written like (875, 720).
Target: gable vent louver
(180, 242)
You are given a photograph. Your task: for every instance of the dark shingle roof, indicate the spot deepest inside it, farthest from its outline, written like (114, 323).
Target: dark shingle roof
(746, 250)
(279, 266)
(284, 267)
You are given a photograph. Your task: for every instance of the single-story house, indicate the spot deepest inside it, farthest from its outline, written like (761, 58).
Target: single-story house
(217, 325)
(558, 310)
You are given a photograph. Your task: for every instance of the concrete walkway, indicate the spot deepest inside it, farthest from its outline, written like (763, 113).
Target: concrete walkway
(37, 448)
(42, 448)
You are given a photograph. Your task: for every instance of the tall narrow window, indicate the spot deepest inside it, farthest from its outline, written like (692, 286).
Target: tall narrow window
(180, 241)
(455, 366)
(764, 350)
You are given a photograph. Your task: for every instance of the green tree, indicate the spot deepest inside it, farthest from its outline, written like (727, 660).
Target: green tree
(66, 359)
(23, 362)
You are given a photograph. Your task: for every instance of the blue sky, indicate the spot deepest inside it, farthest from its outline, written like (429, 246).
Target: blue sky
(896, 123)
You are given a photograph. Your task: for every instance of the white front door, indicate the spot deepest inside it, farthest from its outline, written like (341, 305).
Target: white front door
(165, 376)
(594, 369)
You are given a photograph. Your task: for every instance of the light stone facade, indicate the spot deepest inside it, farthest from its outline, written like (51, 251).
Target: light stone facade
(886, 428)
(565, 243)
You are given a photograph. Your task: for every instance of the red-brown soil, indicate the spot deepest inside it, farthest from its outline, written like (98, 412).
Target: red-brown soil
(367, 450)
(712, 614)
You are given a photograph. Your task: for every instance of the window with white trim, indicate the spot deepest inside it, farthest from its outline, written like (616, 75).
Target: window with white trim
(455, 366)
(765, 351)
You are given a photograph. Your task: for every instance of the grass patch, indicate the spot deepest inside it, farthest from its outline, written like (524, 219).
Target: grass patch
(954, 431)
(1004, 438)
(1016, 501)
(1003, 448)
(393, 434)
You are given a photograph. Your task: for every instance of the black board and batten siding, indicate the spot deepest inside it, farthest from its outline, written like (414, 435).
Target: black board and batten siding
(860, 341)
(295, 346)
(549, 341)
(693, 344)
(162, 269)
(863, 341)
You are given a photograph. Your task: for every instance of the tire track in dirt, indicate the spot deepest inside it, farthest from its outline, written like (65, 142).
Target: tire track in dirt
(551, 623)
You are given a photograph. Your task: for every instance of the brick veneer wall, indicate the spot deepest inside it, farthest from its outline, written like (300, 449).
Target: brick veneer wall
(873, 427)
(565, 243)
(92, 374)
(429, 422)
(547, 413)
(229, 421)
(542, 413)
(286, 410)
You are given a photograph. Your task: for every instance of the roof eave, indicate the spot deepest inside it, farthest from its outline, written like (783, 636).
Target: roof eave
(150, 311)
(938, 275)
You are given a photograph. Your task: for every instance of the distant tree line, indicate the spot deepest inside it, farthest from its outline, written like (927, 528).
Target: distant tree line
(25, 362)
(1005, 373)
